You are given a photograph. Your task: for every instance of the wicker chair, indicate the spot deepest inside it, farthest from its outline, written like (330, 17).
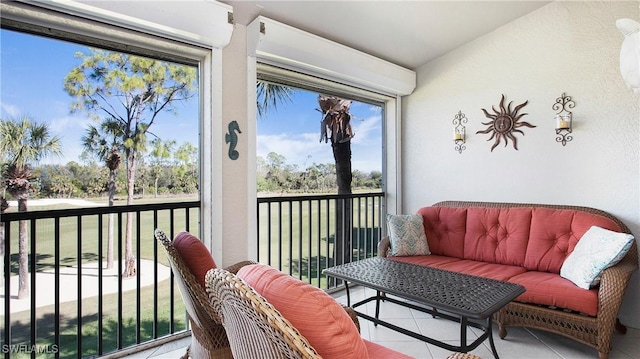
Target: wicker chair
(208, 337)
(256, 329)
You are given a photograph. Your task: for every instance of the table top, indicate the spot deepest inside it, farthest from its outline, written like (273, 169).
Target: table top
(457, 293)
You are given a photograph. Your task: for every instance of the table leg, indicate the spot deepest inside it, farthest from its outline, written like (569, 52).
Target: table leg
(346, 288)
(490, 329)
(378, 295)
(463, 335)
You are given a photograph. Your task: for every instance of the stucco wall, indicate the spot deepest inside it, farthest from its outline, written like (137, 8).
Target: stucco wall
(569, 47)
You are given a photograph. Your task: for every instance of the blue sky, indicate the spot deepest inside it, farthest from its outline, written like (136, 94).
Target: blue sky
(32, 71)
(294, 132)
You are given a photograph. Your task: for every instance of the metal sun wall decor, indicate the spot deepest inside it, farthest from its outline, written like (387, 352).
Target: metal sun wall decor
(564, 118)
(504, 123)
(459, 131)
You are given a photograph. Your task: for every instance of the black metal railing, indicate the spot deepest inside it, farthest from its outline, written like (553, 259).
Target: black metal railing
(76, 307)
(303, 235)
(79, 308)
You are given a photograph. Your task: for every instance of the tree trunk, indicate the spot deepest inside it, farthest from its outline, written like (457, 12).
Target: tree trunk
(342, 243)
(155, 188)
(130, 261)
(23, 253)
(110, 220)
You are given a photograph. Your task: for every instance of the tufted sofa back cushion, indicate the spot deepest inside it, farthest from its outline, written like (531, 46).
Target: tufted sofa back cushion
(554, 234)
(445, 228)
(536, 238)
(497, 235)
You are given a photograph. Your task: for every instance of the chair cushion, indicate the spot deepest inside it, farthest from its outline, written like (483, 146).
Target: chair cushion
(377, 351)
(406, 234)
(316, 315)
(195, 255)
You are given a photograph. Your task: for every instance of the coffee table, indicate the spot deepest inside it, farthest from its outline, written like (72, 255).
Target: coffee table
(467, 299)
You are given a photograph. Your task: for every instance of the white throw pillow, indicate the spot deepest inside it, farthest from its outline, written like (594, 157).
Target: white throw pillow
(406, 234)
(597, 250)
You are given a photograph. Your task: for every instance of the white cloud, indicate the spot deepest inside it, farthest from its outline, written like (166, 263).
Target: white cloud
(11, 111)
(70, 130)
(65, 125)
(304, 149)
(301, 149)
(366, 130)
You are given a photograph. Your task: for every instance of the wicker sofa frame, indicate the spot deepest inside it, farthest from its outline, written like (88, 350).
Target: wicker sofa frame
(595, 332)
(208, 337)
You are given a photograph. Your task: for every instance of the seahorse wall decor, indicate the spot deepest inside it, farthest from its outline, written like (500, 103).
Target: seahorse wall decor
(232, 139)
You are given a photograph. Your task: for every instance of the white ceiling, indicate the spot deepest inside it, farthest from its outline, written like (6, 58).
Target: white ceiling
(407, 33)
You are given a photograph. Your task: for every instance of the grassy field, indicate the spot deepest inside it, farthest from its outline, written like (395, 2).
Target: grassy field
(20, 329)
(78, 245)
(302, 234)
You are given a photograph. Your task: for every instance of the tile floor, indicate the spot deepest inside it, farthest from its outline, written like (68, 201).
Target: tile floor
(520, 343)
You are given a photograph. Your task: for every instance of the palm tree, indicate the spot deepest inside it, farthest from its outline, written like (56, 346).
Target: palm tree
(336, 127)
(104, 142)
(23, 142)
(269, 95)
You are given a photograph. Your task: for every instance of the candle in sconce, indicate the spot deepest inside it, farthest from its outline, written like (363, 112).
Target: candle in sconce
(457, 136)
(561, 123)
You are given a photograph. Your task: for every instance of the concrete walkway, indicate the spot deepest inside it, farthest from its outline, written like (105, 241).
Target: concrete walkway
(45, 284)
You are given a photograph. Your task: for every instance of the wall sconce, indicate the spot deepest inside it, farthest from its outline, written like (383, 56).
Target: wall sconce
(459, 131)
(564, 118)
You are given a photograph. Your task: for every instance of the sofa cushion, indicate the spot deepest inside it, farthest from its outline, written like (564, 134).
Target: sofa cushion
(445, 230)
(406, 234)
(316, 315)
(432, 260)
(194, 254)
(597, 250)
(550, 289)
(497, 235)
(554, 234)
(483, 269)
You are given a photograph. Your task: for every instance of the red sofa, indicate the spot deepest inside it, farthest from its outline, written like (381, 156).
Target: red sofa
(527, 244)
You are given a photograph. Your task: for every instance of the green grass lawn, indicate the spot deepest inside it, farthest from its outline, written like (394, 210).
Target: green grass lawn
(78, 245)
(302, 235)
(21, 329)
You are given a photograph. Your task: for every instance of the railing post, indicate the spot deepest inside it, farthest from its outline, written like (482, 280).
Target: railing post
(65, 246)
(331, 222)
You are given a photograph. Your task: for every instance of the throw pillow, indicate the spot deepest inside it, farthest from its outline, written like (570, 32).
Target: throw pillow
(406, 234)
(194, 254)
(316, 315)
(597, 250)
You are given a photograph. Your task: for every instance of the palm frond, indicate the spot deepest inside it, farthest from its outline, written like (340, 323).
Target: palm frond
(269, 95)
